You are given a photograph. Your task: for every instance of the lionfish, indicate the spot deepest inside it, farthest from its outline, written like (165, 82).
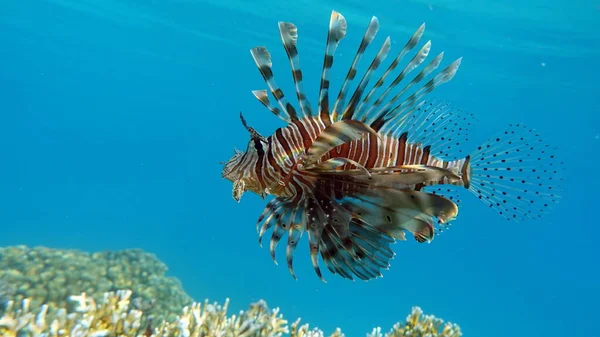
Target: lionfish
(358, 176)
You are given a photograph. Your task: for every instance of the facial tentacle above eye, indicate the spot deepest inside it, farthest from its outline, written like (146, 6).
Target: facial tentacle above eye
(253, 133)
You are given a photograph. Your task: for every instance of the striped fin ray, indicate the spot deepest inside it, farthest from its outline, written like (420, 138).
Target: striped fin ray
(284, 220)
(274, 207)
(289, 37)
(336, 237)
(346, 247)
(350, 248)
(426, 71)
(379, 58)
(442, 77)
(334, 135)
(263, 97)
(262, 58)
(295, 234)
(410, 44)
(414, 63)
(365, 42)
(284, 217)
(367, 261)
(318, 214)
(337, 31)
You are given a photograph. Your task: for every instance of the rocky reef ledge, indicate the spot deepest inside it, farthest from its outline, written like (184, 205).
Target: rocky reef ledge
(66, 293)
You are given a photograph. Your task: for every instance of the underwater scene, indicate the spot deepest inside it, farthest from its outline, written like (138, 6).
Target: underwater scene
(188, 168)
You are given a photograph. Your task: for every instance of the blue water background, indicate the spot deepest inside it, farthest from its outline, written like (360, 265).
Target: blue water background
(115, 114)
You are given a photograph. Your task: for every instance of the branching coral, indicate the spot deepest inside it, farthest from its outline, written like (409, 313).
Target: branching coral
(113, 316)
(418, 325)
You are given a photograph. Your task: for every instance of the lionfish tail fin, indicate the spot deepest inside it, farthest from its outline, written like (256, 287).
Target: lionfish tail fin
(515, 173)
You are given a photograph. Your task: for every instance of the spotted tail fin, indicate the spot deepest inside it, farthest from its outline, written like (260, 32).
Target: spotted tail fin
(516, 173)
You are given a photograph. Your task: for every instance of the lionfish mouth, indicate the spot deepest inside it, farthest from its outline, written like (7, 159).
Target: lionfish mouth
(239, 187)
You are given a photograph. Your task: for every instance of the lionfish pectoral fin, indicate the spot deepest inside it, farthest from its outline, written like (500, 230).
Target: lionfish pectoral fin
(279, 214)
(449, 192)
(348, 248)
(393, 211)
(334, 135)
(391, 198)
(362, 221)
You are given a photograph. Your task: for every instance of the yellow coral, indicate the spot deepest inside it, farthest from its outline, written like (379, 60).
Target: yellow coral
(418, 325)
(114, 316)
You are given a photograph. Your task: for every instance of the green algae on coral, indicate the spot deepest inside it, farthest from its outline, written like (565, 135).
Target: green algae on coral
(50, 276)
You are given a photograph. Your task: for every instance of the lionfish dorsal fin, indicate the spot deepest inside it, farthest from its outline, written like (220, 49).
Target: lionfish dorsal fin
(368, 37)
(289, 37)
(378, 113)
(438, 124)
(356, 96)
(262, 58)
(336, 32)
(334, 135)
(410, 44)
(416, 98)
(414, 63)
(263, 97)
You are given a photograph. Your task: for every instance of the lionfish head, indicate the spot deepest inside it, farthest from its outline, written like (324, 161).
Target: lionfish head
(240, 168)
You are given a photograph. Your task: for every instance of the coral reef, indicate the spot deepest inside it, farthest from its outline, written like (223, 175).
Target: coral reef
(7, 292)
(112, 315)
(126, 294)
(49, 276)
